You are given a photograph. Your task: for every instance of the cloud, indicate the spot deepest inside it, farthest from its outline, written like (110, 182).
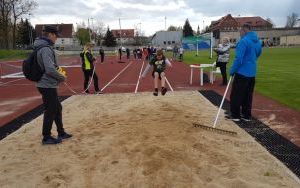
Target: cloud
(151, 13)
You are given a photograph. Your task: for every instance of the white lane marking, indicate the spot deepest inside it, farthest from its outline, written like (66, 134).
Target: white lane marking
(169, 84)
(138, 82)
(116, 76)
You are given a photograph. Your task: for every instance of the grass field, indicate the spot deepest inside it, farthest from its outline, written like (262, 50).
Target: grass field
(278, 74)
(7, 55)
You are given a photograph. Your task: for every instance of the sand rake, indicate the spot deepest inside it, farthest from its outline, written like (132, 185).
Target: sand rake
(213, 128)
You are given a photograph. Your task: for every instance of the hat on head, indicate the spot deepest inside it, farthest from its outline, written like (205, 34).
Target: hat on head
(51, 29)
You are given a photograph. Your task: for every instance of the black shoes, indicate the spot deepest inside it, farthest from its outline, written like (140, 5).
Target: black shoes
(50, 140)
(155, 93)
(164, 91)
(233, 118)
(64, 136)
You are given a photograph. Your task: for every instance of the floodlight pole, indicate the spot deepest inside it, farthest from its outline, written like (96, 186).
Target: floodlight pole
(89, 29)
(120, 33)
(197, 45)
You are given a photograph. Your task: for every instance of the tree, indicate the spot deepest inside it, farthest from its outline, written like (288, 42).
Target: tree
(25, 33)
(5, 15)
(109, 39)
(19, 8)
(187, 29)
(172, 28)
(291, 20)
(83, 35)
(198, 30)
(10, 12)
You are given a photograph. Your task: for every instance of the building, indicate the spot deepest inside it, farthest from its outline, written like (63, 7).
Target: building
(229, 23)
(67, 38)
(228, 26)
(124, 36)
(166, 38)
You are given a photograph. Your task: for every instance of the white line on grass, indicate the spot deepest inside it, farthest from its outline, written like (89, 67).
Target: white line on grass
(138, 82)
(169, 84)
(116, 76)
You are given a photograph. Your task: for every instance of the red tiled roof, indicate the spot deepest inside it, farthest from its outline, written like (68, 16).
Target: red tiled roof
(255, 21)
(126, 33)
(66, 30)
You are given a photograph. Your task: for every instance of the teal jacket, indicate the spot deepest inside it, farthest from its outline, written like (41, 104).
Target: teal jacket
(247, 51)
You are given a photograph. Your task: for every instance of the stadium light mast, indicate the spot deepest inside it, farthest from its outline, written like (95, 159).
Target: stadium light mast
(120, 32)
(166, 23)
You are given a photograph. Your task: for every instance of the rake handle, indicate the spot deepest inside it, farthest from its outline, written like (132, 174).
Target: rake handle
(214, 126)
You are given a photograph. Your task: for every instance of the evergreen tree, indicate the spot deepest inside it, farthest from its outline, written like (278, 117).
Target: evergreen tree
(198, 30)
(25, 33)
(187, 29)
(109, 39)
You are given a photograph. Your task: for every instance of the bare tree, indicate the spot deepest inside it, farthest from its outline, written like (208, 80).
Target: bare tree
(5, 8)
(291, 20)
(20, 8)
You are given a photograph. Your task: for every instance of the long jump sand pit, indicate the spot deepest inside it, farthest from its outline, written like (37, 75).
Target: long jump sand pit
(128, 140)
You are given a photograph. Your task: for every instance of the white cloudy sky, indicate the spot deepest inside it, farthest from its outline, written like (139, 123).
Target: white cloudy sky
(151, 13)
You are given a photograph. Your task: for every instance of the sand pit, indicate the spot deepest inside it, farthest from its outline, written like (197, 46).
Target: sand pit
(127, 140)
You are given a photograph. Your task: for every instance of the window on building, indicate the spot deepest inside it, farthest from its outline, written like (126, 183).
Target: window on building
(173, 42)
(165, 42)
(169, 42)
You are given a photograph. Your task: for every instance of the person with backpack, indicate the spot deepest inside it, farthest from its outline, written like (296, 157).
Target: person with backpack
(48, 84)
(88, 69)
(158, 63)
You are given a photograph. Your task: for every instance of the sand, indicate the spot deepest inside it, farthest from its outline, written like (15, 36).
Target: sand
(138, 140)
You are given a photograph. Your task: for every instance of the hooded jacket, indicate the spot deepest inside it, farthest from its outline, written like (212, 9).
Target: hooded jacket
(247, 52)
(47, 60)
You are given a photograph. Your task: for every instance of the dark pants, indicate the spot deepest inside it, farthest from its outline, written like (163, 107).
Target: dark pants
(53, 111)
(102, 58)
(222, 66)
(87, 75)
(180, 57)
(241, 96)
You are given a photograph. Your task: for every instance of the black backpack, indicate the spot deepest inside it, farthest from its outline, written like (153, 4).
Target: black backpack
(31, 68)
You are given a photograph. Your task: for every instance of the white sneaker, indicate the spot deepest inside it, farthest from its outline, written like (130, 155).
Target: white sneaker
(233, 119)
(98, 92)
(246, 119)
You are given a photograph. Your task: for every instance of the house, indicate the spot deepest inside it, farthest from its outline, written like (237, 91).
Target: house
(166, 38)
(124, 36)
(66, 39)
(229, 23)
(228, 26)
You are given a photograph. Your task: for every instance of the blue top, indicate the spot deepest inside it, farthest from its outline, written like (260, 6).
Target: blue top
(247, 52)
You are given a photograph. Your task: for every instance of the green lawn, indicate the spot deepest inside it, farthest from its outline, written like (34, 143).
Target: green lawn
(7, 55)
(278, 74)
